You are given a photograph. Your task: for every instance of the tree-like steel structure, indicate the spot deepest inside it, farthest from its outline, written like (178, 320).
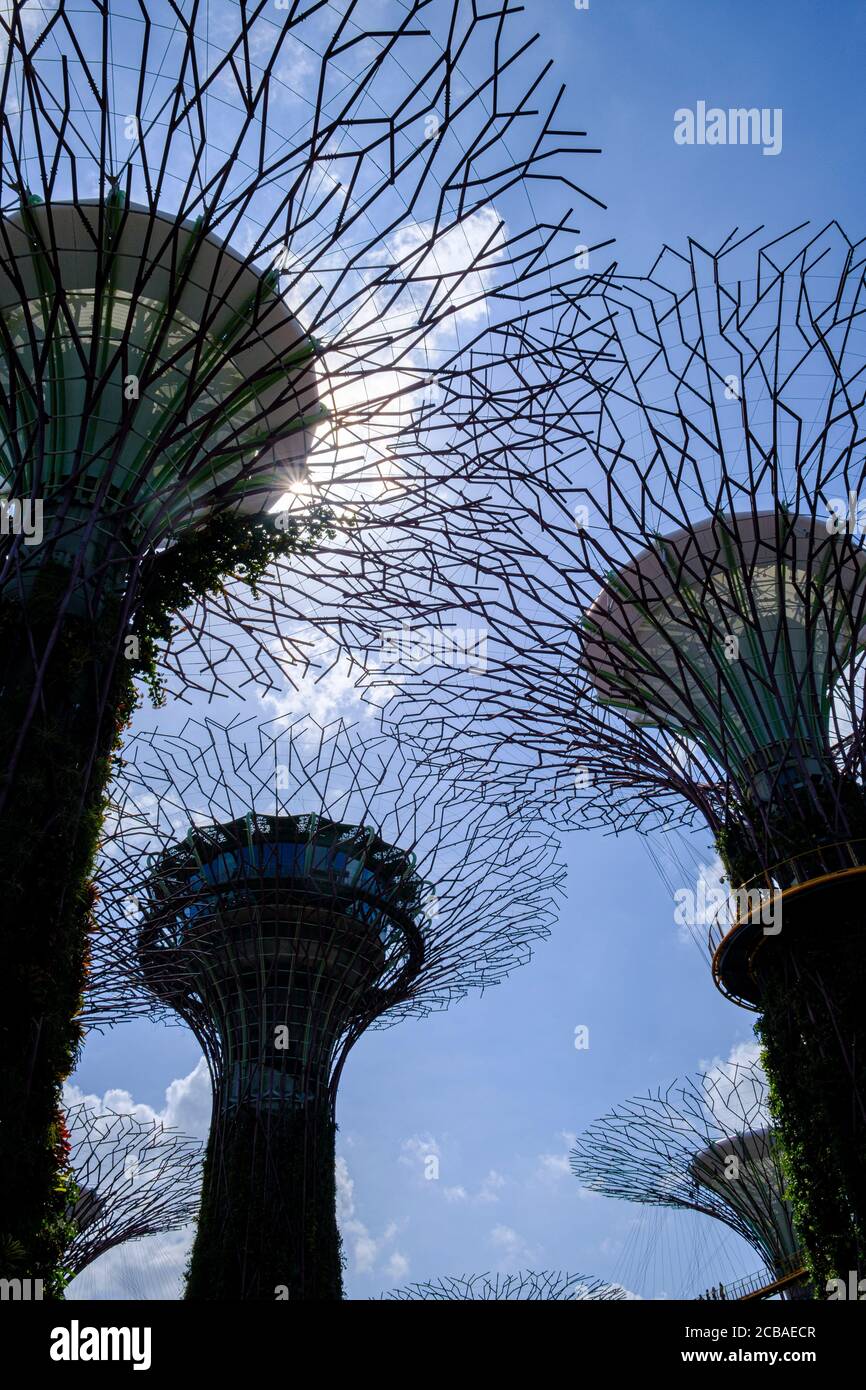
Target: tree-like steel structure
(526, 1285)
(133, 1178)
(674, 620)
(704, 1145)
(238, 244)
(282, 888)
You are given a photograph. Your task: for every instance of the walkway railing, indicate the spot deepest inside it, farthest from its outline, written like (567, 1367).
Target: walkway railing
(763, 1281)
(762, 894)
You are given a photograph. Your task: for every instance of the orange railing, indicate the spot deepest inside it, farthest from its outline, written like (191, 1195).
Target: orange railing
(763, 1282)
(763, 892)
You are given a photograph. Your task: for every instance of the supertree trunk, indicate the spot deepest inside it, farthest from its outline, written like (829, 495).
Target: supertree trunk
(67, 692)
(59, 748)
(813, 1031)
(807, 977)
(268, 1224)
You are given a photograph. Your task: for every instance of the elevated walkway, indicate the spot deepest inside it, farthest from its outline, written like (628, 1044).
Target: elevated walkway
(759, 1285)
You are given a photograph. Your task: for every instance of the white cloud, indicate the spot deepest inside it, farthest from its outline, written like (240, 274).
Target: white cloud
(515, 1253)
(733, 1098)
(151, 1268)
(363, 1247)
(491, 1187)
(397, 1266)
(415, 1151)
(422, 1153)
(553, 1167)
(295, 69)
(187, 1103)
(342, 689)
(139, 1270)
(354, 1232)
(744, 1053)
(345, 1192)
(34, 16)
(710, 902)
(478, 242)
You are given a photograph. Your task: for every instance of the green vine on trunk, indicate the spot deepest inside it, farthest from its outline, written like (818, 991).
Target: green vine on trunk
(50, 830)
(227, 547)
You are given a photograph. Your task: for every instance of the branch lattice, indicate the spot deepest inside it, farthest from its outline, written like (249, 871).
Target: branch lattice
(526, 1285)
(705, 1145)
(135, 1179)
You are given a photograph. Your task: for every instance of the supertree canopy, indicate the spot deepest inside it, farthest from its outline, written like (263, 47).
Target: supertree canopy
(526, 1286)
(252, 258)
(282, 888)
(133, 1178)
(674, 621)
(704, 1145)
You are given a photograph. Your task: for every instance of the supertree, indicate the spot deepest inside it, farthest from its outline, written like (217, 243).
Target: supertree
(282, 888)
(674, 619)
(703, 1145)
(238, 244)
(133, 1178)
(526, 1285)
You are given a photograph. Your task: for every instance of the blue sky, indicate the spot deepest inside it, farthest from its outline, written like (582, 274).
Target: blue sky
(493, 1087)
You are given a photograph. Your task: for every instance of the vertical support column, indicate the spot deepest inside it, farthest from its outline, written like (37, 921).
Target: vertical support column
(813, 1030)
(49, 827)
(268, 1223)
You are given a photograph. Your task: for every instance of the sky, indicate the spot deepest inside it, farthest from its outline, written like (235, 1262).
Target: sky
(494, 1088)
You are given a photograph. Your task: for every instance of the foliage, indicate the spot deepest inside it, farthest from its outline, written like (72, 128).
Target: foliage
(794, 824)
(812, 1035)
(200, 562)
(50, 827)
(268, 1213)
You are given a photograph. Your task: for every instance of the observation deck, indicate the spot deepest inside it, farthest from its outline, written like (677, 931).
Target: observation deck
(287, 925)
(761, 905)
